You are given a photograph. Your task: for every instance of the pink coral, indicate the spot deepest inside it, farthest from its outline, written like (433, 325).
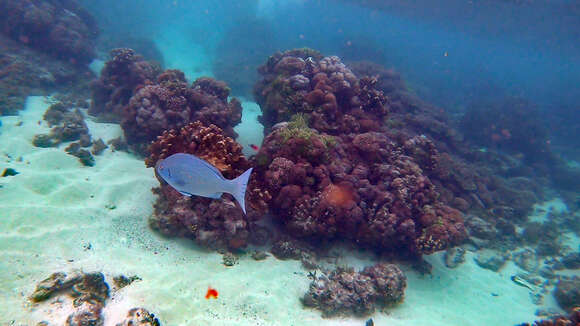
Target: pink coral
(323, 88)
(120, 78)
(360, 187)
(171, 104)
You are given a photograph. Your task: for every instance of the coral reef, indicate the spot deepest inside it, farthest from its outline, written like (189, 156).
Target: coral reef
(24, 72)
(206, 142)
(513, 125)
(148, 102)
(141, 44)
(68, 125)
(497, 189)
(125, 72)
(357, 186)
(346, 292)
(336, 172)
(211, 223)
(89, 293)
(171, 104)
(60, 28)
(140, 317)
(572, 320)
(122, 281)
(567, 293)
(410, 116)
(333, 99)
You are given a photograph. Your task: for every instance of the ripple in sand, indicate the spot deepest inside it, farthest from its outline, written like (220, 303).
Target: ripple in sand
(42, 184)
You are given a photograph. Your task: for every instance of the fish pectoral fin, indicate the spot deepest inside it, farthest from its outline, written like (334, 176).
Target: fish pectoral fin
(185, 193)
(216, 195)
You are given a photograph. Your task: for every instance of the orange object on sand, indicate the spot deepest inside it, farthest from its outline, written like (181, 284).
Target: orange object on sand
(211, 293)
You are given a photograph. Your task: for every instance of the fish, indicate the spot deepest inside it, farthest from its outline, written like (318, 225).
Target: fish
(254, 147)
(211, 293)
(193, 176)
(522, 282)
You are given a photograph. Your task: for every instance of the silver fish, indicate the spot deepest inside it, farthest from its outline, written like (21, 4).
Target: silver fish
(191, 175)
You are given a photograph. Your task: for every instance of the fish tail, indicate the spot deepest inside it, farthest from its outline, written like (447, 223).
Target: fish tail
(240, 184)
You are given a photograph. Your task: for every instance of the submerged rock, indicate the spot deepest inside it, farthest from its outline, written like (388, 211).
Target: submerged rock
(88, 290)
(287, 249)
(490, 259)
(229, 259)
(122, 281)
(346, 292)
(98, 147)
(480, 228)
(140, 317)
(454, 257)
(88, 315)
(526, 260)
(90, 293)
(567, 293)
(44, 141)
(48, 287)
(83, 155)
(259, 255)
(572, 260)
(9, 172)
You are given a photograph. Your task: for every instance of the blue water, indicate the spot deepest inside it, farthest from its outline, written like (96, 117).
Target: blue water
(529, 49)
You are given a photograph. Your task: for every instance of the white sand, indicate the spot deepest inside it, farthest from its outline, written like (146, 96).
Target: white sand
(56, 206)
(250, 131)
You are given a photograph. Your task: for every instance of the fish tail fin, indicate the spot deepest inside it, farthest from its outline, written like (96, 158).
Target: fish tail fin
(239, 190)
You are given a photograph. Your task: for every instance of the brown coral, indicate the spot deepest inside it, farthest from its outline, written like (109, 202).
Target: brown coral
(211, 223)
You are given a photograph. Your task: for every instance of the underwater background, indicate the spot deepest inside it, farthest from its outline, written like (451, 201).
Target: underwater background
(414, 162)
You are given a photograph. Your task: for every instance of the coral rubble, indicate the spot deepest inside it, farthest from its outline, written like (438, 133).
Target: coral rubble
(89, 293)
(346, 292)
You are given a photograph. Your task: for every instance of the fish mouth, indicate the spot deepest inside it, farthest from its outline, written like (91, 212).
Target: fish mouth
(159, 177)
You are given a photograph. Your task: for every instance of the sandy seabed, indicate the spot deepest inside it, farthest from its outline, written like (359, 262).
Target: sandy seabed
(57, 215)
